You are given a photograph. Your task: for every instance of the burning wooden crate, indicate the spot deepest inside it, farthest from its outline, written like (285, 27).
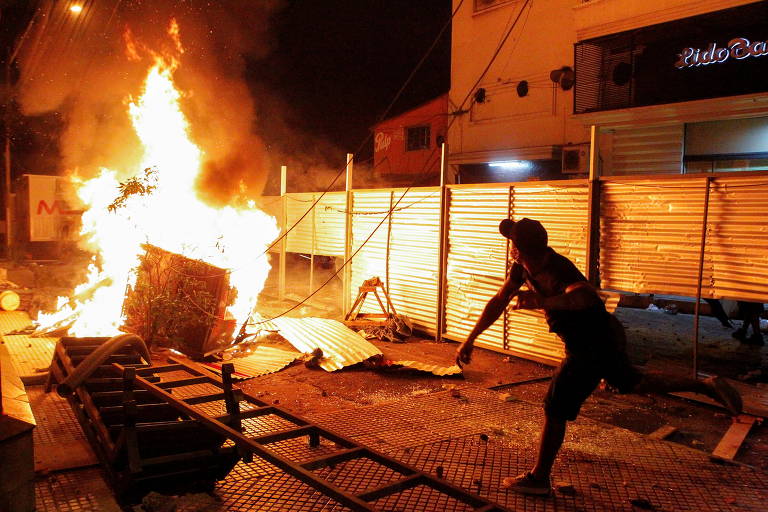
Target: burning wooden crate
(179, 302)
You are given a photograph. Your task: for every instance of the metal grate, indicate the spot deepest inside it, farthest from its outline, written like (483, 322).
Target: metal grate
(74, 491)
(274, 493)
(30, 356)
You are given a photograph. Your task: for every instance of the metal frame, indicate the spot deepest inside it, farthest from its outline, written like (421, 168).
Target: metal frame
(348, 449)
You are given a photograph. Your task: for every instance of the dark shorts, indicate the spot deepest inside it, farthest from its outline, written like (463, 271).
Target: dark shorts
(595, 354)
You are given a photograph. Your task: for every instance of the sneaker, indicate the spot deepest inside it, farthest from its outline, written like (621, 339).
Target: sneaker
(724, 393)
(527, 484)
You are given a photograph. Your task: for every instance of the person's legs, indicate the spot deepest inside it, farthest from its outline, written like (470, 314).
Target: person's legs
(718, 312)
(573, 382)
(537, 481)
(753, 319)
(750, 316)
(552, 436)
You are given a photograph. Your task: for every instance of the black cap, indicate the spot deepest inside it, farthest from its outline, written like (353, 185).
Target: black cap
(528, 235)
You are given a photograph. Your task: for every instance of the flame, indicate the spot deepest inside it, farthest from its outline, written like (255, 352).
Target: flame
(170, 217)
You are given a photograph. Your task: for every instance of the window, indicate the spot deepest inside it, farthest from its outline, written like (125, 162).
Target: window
(416, 137)
(481, 5)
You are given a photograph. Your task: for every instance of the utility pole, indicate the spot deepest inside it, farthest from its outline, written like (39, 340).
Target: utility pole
(7, 167)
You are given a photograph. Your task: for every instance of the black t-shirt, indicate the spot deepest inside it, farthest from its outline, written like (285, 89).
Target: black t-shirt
(557, 274)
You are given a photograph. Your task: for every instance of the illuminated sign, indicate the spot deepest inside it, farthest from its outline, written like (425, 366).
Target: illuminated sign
(738, 48)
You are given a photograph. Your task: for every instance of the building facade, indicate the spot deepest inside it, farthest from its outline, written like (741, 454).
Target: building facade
(670, 87)
(406, 148)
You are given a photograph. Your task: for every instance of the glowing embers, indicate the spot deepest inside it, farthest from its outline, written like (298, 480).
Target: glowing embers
(179, 302)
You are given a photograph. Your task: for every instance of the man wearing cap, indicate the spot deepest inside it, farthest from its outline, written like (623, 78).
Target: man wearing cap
(594, 343)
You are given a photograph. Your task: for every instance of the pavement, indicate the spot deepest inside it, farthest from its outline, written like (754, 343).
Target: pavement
(471, 435)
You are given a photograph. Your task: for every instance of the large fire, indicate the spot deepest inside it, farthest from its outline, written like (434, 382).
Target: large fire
(170, 217)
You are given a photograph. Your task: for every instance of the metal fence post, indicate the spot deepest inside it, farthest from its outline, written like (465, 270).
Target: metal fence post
(697, 304)
(347, 274)
(593, 210)
(283, 224)
(443, 252)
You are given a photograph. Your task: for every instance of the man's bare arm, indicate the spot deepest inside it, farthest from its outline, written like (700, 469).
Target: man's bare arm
(492, 311)
(577, 296)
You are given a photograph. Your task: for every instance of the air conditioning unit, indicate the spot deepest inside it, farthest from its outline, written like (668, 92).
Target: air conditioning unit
(575, 159)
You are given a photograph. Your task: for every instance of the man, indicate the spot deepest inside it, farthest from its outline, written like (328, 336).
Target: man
(594, 343)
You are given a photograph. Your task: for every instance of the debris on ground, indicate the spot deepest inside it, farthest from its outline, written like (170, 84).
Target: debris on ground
(256, 361)
(642, 503)
(566, 489)
(341, 345)
(312, 360)
(396, 329)
(382, 363)
(198, 502)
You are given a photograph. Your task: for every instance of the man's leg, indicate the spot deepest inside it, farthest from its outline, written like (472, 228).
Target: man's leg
(537, 481)
(552, 436)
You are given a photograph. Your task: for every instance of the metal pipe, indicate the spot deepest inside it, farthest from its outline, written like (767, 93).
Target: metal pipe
(442, 256)
(346, 295)
(96, 358)
(698, 282)
(283, 227)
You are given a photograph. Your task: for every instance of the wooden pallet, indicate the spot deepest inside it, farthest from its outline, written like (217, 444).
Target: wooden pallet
(152, 432)
(134, 434)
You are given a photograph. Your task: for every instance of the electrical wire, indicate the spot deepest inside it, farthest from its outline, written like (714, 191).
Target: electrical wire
(395, 205)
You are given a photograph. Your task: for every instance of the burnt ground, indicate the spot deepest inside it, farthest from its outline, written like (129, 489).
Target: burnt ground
(657, 340)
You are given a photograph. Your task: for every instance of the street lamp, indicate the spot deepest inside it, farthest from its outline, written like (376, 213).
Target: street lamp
(75, 9)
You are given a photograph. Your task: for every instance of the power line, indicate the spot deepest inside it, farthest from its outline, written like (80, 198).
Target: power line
(395, 205)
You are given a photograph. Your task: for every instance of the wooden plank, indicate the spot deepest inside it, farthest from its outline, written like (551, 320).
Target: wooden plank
(731, 441)
(663, 432)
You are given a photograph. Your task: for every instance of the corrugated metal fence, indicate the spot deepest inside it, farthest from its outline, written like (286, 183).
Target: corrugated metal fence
(650, 238)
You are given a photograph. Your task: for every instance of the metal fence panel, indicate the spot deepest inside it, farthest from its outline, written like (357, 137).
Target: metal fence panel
(476, 260)
(369, 230)
(562, 209)
(737, 239)
(414, 256)
(300, 239)
(651, 234)
(329, 224)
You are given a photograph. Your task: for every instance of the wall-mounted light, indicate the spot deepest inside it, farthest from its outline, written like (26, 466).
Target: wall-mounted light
(513, 165)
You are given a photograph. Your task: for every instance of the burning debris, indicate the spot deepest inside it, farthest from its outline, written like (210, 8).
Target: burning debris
(179, 303)
(192, 270)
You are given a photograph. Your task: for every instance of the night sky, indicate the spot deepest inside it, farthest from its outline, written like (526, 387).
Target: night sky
(339, 63)
(333, 68)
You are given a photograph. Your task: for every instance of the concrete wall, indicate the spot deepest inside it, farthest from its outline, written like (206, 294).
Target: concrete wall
(541, 41)
(389, 152)
(595, 18)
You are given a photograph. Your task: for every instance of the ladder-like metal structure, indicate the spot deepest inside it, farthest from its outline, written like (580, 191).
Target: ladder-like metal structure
(241, 408)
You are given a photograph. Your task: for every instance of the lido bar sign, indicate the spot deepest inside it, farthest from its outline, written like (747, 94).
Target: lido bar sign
(738, 48)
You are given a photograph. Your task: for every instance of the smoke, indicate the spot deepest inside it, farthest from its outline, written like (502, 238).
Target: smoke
(86, 66)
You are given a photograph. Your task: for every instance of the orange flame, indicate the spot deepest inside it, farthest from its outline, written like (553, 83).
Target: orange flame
(170, 217)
